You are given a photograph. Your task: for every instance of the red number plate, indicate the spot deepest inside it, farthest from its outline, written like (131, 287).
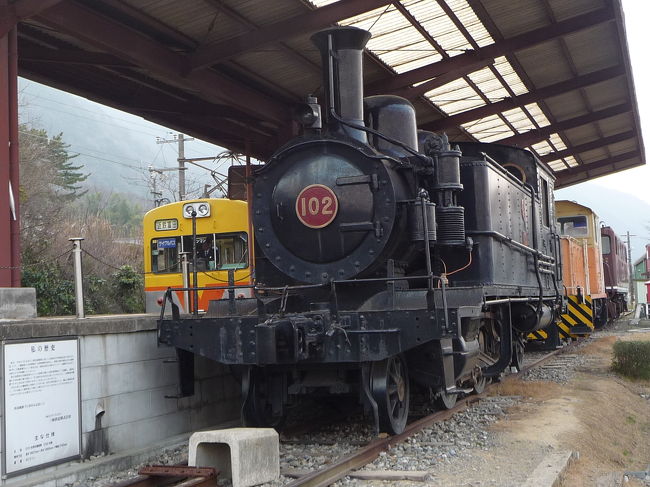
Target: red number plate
(316, 206)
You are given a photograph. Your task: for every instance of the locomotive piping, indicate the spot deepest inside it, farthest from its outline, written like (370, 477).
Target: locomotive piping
(427, 250)
(535, 255)
(426, 159)
(548, 260)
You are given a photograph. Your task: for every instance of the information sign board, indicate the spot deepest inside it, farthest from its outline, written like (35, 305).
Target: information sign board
(41, 420)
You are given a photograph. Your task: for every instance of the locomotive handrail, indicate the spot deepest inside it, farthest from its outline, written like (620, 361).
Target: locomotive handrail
(308, 286)
(508, 300)
(492, 233)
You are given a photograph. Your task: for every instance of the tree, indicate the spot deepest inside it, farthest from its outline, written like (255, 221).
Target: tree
(56, 207)
(49, 182)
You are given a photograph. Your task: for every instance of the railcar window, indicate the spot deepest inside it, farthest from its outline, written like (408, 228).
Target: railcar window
(164, 255)
(574, 226)
(607, 245)
(546, 215)
(234, 251)
(218, 251)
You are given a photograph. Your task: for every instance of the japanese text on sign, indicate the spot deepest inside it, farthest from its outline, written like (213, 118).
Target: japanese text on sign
(41, 390)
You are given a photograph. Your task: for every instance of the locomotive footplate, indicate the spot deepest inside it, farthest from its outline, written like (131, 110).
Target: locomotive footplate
(324, 336)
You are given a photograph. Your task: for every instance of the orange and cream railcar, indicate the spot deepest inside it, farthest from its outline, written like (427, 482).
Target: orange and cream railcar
(582, 273)
(221, 246)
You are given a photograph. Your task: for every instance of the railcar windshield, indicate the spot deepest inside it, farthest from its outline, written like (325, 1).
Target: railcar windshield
(607, 245)
(574, 226)
(165, 255)
(213, 252)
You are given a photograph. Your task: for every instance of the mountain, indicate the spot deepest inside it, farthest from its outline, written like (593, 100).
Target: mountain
(116, 148)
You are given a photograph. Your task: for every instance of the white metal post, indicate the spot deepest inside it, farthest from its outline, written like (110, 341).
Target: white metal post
(78, 279)
(185, 269)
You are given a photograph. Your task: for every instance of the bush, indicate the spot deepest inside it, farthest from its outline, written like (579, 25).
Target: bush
(54, 292)
(128, 290)
(632, 359)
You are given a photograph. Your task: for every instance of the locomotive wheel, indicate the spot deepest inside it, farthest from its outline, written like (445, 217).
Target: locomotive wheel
(444, 400)
(480, 382)
(390, 389)
(257, 411)
(517, 354)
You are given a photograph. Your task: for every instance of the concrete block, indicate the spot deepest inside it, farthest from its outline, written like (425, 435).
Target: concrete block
(17, 303)
(550, 471)
(249, 456)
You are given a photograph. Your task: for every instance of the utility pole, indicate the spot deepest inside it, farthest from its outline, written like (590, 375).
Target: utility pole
(629, 264)
(180, 140)
(157, 195)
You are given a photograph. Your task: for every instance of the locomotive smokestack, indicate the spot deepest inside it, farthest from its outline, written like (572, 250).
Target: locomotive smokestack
(341, 51)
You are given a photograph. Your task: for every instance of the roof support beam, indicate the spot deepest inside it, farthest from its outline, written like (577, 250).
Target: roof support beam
(534, 136)
(71, 56)
(12, 13)
(499, 48)
(129, 45)
(595, 144)
(521, 100)
(300, 24)
(564, 178)
(412, 92)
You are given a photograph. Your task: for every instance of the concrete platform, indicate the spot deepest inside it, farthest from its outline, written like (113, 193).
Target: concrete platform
(129, 387)
(249, 456)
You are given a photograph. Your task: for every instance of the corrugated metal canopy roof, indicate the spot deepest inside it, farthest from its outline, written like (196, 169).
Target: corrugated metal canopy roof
(550, 75)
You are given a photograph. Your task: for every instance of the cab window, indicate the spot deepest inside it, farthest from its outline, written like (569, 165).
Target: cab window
(546, 212)
(574, 226)
(164, 255)
(218, 251)
(607, 245)
(233, 250)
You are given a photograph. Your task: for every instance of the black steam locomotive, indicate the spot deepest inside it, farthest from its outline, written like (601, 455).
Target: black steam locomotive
(386, 259)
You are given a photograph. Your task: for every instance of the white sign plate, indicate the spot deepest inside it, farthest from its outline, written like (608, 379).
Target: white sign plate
(41, 424)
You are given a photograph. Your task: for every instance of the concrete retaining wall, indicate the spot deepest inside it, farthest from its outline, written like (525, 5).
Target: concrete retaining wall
(126, 375)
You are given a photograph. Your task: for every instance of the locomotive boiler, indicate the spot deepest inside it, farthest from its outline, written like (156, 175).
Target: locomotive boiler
(386, 259)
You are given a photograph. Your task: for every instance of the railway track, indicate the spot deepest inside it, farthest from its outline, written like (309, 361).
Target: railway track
(358, 458)
(369, 453)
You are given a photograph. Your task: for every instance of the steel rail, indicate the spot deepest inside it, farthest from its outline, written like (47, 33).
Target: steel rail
(368, 453)
(168, 475)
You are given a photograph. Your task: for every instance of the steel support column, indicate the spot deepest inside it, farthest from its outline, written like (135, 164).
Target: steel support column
(9, 183)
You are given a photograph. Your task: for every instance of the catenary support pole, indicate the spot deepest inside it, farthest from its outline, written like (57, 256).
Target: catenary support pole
(629, 263)
(180, 140)
(78, 278)
(181, 167)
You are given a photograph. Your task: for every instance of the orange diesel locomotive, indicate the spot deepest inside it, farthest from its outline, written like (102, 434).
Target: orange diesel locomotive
(582, 274)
